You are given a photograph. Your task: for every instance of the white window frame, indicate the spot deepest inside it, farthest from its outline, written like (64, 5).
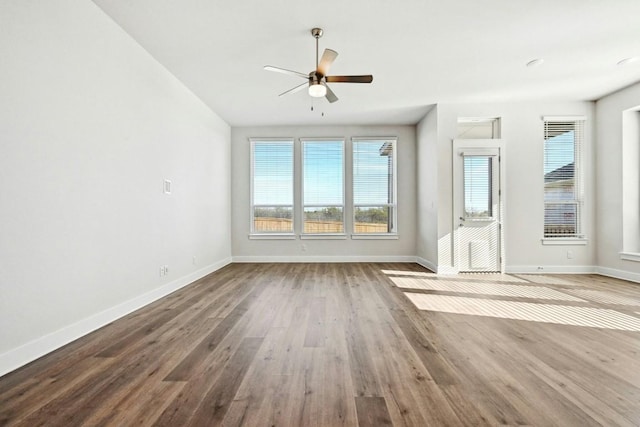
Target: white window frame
(302, 205)
(255, 234)
(579, 147)
(631, 185)
(393, 234)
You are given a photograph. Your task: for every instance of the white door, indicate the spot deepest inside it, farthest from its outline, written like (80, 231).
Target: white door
(477, 205)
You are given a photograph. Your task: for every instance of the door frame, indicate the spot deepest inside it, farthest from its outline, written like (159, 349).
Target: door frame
(456, 190)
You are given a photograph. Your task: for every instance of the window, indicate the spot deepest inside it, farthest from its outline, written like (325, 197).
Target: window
(631, 184)
(323, 186)
(272, 186)
(374, 186)
(562, 177)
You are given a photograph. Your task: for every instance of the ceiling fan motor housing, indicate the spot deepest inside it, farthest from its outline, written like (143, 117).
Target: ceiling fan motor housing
(315, 77)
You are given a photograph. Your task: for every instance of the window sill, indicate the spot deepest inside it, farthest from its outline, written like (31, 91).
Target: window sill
(327, 236)
(564, 241)
(630, 256)
(386, 236)
(273, 236)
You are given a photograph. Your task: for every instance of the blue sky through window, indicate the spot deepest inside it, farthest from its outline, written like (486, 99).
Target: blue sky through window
(323, 172)
(559, 151)
(477, 185)
(371, 173)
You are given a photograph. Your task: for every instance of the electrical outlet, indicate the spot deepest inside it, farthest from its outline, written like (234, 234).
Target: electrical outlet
(569, 254)
(164, 270)
(194, 260)
(303, 247)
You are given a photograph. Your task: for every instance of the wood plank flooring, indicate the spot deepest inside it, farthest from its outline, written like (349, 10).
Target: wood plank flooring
(347, 345)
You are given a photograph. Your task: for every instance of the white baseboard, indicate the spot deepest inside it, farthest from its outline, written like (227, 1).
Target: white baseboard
(20, 356)
(619, 274)
(427, 264)
(323, 258)
(439, 269)
(551, 269)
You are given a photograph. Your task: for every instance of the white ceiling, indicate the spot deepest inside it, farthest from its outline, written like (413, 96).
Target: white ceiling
(420, 52)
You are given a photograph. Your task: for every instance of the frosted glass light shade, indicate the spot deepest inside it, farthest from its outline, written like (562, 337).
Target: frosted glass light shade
(317, 90)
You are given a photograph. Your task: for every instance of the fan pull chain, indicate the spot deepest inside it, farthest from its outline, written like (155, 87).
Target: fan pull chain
(321, 114)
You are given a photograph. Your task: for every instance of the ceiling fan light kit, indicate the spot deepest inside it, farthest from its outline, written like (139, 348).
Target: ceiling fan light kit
(317, 90)
(317, 79)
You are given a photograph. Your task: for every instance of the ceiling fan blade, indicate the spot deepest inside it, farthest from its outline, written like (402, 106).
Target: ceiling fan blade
(295, 89)
(328, 56)
(350, 79)
(285, 71)
(331, 97)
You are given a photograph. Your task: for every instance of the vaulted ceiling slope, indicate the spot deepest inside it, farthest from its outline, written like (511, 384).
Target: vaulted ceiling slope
(420, 52)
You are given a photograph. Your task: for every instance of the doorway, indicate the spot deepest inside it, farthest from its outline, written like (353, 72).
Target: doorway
(478, 205)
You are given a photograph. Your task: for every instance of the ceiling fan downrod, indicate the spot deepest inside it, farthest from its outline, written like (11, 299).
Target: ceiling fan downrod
(316, 33)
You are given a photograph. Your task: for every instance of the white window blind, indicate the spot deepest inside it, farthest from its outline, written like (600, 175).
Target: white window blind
(272, 186)
(374, 185)
(323, 186)
(563, 138)
(477, 185)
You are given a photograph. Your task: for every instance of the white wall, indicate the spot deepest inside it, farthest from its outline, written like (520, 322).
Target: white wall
(90, 125)
(611, 184)
(245, 249)
(427, 186)
(522, 128)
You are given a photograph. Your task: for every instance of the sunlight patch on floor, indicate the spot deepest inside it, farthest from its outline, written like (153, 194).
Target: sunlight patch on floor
(604, 297)
(545, 280)
(519, 291)
(488, 277)
(557, 314)
(408, 273)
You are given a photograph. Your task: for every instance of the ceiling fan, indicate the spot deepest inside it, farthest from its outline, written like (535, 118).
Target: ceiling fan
(317, 80)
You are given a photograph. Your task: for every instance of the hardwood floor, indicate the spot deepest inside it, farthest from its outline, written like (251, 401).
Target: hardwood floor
(350, 344)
